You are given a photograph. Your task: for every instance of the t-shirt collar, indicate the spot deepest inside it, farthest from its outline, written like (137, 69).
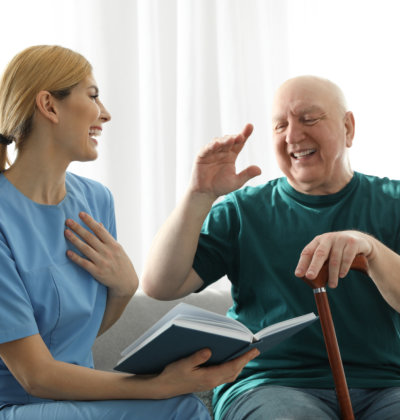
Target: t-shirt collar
(319, 199)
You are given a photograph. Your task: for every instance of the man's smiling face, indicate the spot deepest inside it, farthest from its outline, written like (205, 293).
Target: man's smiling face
(311, 132)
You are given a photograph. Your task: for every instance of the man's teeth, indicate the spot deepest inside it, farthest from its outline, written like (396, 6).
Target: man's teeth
(94, 132)
(304, 153)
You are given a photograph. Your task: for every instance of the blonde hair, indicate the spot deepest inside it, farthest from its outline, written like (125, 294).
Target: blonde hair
(43, 67)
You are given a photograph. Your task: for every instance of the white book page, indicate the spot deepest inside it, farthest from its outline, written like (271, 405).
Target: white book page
(280, 326)
(211, 328)
(220, 321)
(185, 311)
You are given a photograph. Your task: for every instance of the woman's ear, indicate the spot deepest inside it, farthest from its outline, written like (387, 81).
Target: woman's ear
(47, 106)
(349, 124)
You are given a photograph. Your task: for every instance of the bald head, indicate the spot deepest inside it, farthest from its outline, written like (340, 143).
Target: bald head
(306, 87)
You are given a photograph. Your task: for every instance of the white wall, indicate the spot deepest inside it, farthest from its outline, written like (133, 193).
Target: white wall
(175, 73)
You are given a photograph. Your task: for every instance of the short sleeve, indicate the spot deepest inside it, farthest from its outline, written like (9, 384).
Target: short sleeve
(217, 249)
(16, 313)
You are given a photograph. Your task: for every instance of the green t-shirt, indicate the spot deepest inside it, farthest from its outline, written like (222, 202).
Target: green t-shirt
(255, 237)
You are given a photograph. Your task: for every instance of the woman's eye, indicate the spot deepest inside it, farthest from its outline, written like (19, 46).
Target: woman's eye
(94, 97)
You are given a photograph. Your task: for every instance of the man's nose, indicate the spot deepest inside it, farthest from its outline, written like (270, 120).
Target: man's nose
(294, 133)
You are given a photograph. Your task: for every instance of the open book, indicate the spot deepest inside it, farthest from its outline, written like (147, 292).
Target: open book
(186, 328)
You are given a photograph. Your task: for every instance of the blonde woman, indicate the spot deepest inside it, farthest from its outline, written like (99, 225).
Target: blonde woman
(63, 277)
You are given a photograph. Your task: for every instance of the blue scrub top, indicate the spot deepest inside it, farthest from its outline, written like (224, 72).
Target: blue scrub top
(41, 290)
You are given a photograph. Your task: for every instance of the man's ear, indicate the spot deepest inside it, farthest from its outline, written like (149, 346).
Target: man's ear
(349, 125)
(47, 106)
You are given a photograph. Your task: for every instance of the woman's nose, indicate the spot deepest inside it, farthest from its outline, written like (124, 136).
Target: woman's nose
(105, 116)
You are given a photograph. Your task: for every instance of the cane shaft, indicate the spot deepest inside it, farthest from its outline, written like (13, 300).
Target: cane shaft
(360, 263)
(334, 357)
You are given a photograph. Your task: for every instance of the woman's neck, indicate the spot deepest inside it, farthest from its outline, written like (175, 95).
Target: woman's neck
(38, 178)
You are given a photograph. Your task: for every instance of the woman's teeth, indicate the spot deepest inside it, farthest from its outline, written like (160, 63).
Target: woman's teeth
(94, 132)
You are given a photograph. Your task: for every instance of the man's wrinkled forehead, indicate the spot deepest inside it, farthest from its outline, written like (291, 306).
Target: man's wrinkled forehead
(297, 109)
(304, 95)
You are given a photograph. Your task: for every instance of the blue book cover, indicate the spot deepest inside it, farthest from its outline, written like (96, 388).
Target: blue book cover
(187, 328)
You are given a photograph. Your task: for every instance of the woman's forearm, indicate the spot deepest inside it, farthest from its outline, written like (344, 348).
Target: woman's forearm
(64, 381)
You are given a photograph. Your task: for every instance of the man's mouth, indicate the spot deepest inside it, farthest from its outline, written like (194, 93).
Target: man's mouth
(303, 153)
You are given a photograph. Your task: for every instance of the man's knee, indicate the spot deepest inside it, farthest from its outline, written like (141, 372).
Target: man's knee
(279, 403)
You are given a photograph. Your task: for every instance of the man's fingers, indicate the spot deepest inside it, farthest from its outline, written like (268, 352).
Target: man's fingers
(334, 264)
(249, 173)
(247, 130)
(351, 249)
(227, 143)
(340, 248)
(304, 261)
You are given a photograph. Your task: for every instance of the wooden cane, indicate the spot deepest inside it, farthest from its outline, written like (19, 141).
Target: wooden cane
(360, 263)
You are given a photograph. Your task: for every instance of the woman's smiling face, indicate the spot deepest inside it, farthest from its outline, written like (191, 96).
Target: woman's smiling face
(81, 118)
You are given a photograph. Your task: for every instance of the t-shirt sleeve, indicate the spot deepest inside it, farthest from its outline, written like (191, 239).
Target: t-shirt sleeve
(216, 253)
(16, 313)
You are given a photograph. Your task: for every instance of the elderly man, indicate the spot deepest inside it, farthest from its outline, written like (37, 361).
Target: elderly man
(263, 238)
